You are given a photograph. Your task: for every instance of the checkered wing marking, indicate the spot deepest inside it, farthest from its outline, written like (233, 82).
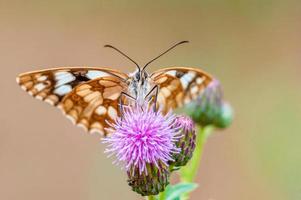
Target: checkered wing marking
(179, 85)
(94, 103)
(52, 85)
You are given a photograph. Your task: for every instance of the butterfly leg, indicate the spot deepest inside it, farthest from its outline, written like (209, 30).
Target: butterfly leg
(121, 103)
(149, 95)
(156, 98)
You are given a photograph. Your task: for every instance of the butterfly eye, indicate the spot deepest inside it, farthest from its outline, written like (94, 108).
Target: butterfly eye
(145, 75)
(137, 76)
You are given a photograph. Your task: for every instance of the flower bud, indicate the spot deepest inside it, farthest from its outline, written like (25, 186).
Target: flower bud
(225, 116)
(209, 108)
(152, 181)
(186, 141)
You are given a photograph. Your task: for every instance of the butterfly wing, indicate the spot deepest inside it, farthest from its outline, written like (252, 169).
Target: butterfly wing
(179, 85)
(52, 85)
(93, 104)
(78, 91)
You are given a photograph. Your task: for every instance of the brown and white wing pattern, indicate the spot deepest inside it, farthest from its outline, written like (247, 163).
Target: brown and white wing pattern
(52, 85)
(179, 86)
(87, 95)
(94, 103)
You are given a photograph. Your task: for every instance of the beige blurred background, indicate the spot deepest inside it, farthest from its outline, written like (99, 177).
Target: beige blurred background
(252, 46)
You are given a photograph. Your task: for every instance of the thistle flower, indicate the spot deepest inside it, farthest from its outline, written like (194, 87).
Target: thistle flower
(209, 108)
(144, 141)
(151, 182)
(186, 141)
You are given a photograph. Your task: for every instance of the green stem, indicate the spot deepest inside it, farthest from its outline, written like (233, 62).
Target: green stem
(162, 196)
(189, 172)
(151, 198)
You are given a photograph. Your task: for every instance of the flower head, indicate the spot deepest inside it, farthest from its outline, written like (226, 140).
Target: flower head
(186, 141)
(143, 136)
(209, 107)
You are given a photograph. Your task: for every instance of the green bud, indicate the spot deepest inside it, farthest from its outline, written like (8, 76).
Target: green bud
(149, 182)
(210, 109)
(225, 116)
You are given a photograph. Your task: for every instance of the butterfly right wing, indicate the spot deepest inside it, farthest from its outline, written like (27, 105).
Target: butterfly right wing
(93, 104)
(87, 95)
(51, 85)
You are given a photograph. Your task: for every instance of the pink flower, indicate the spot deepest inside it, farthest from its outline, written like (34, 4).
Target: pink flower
(143, 137)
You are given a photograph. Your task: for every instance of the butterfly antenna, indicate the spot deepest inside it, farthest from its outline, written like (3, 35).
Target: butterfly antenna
(182, 42)
(110, 46)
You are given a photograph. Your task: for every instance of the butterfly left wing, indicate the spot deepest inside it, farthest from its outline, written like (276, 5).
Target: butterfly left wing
(179, 86)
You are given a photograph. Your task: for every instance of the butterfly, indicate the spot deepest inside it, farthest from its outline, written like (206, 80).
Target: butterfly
(92, 97)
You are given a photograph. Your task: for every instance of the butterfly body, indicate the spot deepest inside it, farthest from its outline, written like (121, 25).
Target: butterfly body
(139, 86)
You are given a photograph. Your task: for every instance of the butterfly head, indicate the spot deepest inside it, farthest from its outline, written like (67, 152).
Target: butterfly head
(138, 78)
(138, 85)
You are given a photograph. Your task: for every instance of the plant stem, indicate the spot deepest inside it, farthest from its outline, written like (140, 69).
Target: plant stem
(150, 197)
(189, 172)
(162, 196)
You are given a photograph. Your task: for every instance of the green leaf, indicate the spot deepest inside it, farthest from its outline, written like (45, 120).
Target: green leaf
(175, 191)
